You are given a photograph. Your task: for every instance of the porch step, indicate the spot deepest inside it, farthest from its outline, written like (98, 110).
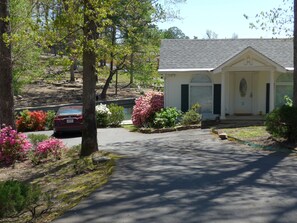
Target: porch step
(235, 124)
(235, 121)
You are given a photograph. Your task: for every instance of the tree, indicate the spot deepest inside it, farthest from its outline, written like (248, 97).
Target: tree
(26, 54)
(174, 33)
(278, 20)
(6, 96)
(89, 132)
(234, 36)
(295, 56)
(211, 34)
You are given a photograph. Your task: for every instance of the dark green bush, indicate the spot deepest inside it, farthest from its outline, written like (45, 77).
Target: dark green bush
(192, 116)
(16, 196)
(167, 117)
(282, 122)
(116, 116)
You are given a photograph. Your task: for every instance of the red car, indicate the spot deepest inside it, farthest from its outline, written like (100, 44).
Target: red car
(68, 119)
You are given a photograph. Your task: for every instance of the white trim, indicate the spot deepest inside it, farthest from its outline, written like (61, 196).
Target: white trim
(212, 69)
(185, 70)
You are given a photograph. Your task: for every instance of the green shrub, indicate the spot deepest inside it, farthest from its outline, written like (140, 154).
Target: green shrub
(15, 196)
(167, 117)
(49, 122)
(192, 116)
(36, 138)
(282, 122)
(102, 113)
(116, 116)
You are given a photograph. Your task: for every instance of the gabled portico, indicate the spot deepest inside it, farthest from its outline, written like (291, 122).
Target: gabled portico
(243, 77)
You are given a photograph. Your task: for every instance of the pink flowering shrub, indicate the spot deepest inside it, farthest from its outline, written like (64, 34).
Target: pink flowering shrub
(13, 145)
(145, 108)
(51, 146)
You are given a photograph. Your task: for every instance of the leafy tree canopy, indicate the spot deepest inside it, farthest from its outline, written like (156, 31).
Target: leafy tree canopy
(174, 33)
(278, 20)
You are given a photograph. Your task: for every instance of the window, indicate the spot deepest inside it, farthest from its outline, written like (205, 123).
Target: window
(283, 87)
(201, 92)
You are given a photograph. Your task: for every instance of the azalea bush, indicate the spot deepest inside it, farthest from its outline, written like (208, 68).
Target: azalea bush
(31, 121)
(13, 145)
(102, 113)
(50, 147)
(145, 108)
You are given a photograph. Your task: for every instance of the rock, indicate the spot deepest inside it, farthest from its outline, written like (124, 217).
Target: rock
(100, 159)
(223, 135)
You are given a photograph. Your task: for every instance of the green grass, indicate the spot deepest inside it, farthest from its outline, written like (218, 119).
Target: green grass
(130, 128)
(246, 133)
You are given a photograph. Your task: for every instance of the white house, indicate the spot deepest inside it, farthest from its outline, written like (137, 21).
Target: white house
(227, 76)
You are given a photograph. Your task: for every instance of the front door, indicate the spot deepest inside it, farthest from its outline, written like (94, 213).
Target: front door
(243, 93)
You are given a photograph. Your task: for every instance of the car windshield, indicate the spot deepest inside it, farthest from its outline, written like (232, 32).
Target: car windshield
(70, 111)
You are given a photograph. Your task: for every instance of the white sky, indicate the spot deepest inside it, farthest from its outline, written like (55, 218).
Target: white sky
(224, 17)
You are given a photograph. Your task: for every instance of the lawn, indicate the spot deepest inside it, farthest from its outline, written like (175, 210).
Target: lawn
(247, 133)
(63, 182)
(257, 136)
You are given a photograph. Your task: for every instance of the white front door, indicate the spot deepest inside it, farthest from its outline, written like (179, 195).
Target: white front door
(243, 93)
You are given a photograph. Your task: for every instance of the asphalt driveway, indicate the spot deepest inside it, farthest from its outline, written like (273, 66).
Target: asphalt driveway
(190, 176)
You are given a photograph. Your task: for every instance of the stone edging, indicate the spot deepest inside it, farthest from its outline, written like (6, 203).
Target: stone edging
(173, 129)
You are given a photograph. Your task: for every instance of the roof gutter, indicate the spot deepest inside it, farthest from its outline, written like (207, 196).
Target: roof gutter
(184, 70)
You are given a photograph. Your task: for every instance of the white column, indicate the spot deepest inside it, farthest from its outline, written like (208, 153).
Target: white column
(271, 91)
(223, 95)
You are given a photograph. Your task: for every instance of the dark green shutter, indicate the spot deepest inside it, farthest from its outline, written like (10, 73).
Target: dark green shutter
(267, 97)
(217, 99)
(184, 97)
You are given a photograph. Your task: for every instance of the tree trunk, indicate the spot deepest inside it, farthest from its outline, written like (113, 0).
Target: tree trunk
(107, 82)
(72, 66)
(6, 89)
(132, 70)
(111, 71)
(295, 56)
(89, 132)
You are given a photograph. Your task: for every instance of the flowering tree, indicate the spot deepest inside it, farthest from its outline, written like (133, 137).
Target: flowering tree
(145, 107)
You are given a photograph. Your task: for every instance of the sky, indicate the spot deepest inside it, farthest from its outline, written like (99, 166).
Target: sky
(224, 17)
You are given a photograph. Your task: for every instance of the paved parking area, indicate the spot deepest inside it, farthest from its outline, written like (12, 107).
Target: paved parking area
(189, 177)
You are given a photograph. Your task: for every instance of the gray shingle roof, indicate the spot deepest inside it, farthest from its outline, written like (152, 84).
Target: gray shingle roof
(198, 54)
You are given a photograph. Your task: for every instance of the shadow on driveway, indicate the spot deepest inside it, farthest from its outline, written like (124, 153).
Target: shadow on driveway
(193, 178)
